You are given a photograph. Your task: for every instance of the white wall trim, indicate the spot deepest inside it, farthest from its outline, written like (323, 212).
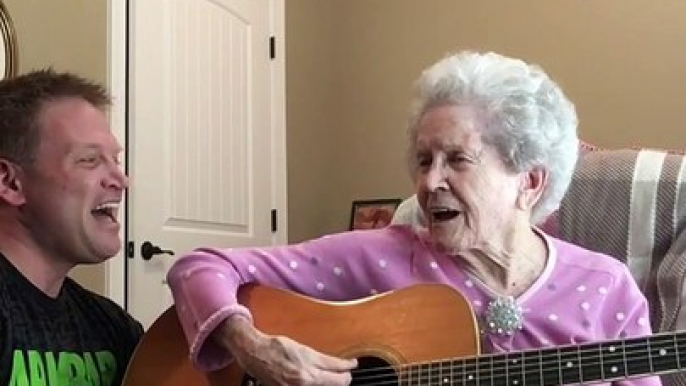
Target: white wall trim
(115, 271)
(278, 95)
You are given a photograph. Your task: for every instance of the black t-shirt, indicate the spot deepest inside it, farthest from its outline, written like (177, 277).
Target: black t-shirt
(79, 338)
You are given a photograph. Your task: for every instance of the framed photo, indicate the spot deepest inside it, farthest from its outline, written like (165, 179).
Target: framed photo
(8, 44)
(373, 214)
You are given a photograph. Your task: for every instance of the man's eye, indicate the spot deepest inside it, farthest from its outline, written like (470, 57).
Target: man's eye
(88, 160)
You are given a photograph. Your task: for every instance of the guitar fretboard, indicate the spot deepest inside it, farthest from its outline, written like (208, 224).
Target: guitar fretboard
(657, 354)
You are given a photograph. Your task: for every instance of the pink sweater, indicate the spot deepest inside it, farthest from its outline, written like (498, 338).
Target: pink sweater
(582, 296)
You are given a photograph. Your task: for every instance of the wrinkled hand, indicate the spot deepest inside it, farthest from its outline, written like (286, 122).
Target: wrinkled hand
(281, 361)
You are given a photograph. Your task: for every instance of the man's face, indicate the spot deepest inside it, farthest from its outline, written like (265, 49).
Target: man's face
(73, 190)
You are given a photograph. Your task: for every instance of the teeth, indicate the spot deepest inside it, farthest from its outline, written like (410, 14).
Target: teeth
(108, 206)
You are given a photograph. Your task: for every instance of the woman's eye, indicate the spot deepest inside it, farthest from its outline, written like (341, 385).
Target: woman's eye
(423, 162)
(457, 158)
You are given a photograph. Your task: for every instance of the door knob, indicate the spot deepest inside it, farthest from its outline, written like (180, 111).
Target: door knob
(148, 250)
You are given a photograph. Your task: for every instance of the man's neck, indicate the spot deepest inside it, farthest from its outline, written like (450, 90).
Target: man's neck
(44, 272)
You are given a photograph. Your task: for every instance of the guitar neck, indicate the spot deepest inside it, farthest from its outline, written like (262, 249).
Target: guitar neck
(605, 361)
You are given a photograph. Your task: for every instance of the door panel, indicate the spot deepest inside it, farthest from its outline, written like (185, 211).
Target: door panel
(201, 131)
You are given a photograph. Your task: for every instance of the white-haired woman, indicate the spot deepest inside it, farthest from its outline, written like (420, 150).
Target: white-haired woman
(492, 148)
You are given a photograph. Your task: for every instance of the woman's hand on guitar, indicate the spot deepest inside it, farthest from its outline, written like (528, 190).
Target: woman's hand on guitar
(278, 360)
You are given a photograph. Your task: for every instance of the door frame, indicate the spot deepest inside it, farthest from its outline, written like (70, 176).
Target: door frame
(117, 60)
(277, 28)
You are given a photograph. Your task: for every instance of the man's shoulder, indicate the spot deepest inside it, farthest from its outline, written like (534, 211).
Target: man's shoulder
(107, 306)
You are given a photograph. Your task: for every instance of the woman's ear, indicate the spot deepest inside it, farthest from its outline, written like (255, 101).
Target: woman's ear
(11, 190)
(532, 184)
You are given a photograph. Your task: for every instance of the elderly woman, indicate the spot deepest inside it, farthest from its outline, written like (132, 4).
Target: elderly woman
(492, 148)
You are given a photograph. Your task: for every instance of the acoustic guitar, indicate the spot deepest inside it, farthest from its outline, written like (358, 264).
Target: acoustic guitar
(421, 335)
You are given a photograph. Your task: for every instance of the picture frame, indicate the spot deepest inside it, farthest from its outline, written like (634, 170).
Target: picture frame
(8, 44)
(373, 214)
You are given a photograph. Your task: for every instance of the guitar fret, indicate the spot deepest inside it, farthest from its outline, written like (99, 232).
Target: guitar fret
(650, 357)
(590, 364)
(578, 364)
(559, 367)
(612, 360)
(540, 369)
(464, 372)
(443, 375)
(626, 370)
(662, 353)
(492, 372)
(484, 368)
(636, 352)
(600, 358)
(532, 368)
(470, 373)
(515, 369)
(425, 374)
(550, 369)
(436, 374)
(569, 358)
(677, 352)
(681, 349)
(498, 370)
(499, 373)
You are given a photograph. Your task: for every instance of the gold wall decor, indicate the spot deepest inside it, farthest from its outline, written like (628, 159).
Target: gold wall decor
(8, 44)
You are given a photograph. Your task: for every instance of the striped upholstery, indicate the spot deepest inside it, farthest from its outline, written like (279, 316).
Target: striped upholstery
(631, 204)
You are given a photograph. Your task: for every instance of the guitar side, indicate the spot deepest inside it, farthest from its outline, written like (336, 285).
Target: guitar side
(414, 324)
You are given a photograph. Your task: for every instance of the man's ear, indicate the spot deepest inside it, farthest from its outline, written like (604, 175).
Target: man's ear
(10, 184)
(533, 183)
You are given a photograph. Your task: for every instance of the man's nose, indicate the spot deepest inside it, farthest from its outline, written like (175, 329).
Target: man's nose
(117, 179)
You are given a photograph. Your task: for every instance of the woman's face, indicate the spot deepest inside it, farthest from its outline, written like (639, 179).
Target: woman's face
(468, 195)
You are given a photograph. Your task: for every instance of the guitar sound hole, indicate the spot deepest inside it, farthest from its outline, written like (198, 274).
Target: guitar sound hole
(370, 371)
(374, 371)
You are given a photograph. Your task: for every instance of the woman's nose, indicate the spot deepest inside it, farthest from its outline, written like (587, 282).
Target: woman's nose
(435, 179)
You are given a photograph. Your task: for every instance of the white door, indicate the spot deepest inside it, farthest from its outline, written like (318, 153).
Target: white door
(206, 142)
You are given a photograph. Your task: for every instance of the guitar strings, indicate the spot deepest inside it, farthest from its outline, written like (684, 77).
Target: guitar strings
(467, 369)
(386, 375)
(500, 363)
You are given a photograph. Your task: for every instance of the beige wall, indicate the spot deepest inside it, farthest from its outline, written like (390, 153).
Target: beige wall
(311, 97)
(620, 60)
(67, 35)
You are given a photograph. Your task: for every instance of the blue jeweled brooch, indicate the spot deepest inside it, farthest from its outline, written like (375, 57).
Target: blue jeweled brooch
(504, 316)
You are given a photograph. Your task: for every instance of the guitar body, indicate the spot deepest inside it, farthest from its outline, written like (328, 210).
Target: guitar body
(420, 323)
